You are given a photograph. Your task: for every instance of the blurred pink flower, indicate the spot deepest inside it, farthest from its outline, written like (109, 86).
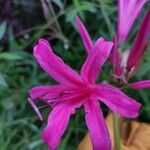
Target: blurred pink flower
(140, 84)
(115, 58)
(74, 91)
(140, 43)
(126, 64)
(128, 12)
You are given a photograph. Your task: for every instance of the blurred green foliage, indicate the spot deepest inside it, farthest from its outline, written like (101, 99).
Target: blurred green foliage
(29, 20)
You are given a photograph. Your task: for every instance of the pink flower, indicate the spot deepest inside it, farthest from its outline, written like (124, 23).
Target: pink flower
(74, 91)
(128, 12)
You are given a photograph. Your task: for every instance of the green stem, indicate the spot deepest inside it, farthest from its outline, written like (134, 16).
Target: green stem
(116, 126)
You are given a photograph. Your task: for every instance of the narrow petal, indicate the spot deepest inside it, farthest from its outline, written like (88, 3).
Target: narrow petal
(117, 101)
(58, 93)
(140, 43)
(35, 108)
(95, 60)
(57, 123)
(97, 127)
(126, 20)
(40, 91)
(140, 84)
(55, 66)
(84, 34)
(115, 58)
(48, 94)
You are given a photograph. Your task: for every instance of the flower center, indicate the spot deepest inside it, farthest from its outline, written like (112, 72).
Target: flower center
(75, 95)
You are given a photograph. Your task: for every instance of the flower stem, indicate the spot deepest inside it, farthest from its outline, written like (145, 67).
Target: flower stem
(116, 126)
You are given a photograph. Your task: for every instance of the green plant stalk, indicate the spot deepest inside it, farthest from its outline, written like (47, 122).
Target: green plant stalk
(116, 127)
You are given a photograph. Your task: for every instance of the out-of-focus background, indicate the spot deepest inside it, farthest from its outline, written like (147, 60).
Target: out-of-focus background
(22, 23)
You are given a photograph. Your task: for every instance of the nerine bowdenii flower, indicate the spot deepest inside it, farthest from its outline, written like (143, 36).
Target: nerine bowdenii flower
(75, 90)
(126, 64)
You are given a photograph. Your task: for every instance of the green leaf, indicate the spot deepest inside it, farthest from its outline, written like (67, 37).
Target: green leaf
(58, 3)
(78, 9)
(87, 6)
(144, 69)
(3, 83)
(10, 56)
(13, 45)
(145, 111)
(70, 16)
(2, 29)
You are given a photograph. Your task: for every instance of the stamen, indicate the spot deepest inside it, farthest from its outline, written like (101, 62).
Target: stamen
(42, 106)
(67, 96)
(56, 99)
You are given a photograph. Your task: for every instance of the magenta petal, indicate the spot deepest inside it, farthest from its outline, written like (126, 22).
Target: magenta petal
(115, 58)
(57, 123)
(140, 43)
(44, 45)
(95, 60)
(97, 126)
(39, 92)
(48, 94)
(117, 101)
(140, 84)
(126, 20)
(55, 66)
(84, 34)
